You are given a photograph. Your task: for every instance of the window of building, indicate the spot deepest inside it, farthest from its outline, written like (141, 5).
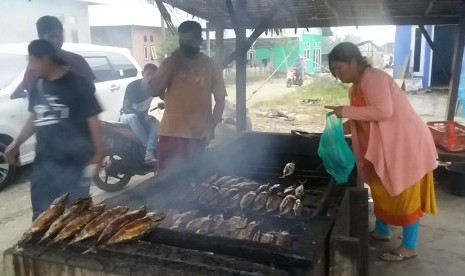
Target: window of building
(151, 38)
(307, 53)
(317, 58)
(153, 53)
(146, 53)
(307, 44)
(317, 44)
(145, 38)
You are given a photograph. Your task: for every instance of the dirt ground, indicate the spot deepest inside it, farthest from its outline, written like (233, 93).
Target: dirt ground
(442, 236)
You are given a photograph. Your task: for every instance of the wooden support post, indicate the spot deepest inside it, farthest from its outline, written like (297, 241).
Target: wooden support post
(456, 69)
(207, 35)
(432, 45)
(219, 44)
(241, 79)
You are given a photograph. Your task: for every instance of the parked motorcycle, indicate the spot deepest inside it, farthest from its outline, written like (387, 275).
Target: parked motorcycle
(293, 78)
(124, 158)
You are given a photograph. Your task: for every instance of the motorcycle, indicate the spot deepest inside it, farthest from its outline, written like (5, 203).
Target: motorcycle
(293, 78)
(124, 157)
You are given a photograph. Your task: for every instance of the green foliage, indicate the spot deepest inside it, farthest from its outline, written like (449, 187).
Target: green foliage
(168, 46)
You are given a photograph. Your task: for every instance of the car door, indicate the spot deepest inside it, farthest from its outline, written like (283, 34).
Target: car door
(126, 71)
(106, 86)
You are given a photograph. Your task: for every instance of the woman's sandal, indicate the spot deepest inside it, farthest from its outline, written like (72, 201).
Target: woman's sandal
(395, 256)
(377, 237)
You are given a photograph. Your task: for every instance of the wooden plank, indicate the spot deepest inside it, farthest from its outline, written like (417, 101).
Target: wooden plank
(359, 225)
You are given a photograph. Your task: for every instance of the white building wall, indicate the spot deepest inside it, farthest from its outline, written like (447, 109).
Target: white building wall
(18, 19)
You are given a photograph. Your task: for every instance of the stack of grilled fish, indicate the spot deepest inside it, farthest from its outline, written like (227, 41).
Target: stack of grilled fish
(230, 192)
(84, 220)
(215, 225)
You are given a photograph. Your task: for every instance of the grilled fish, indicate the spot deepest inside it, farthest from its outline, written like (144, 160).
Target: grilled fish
(74, 226)
(119, 222)
(95, 227)
(222, 181)
(196, 224)
(268, 238)
(133, 231)
(75, 210)
(288, 169)
(273, 202)
(182, 221)
(260, 201)
(247, 200)
(299, 191)
(228, 183)
(289, 190)
(231, 192)
(298, 207)
(209, 195)
(171, 217)
(43, 222)
(234, 202)
(249, 232)
(283, 239)
(275, 188)
(248, 186)
(287, 205)
(262, 188)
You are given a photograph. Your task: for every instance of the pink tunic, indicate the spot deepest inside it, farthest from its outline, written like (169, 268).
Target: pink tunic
(400, 147)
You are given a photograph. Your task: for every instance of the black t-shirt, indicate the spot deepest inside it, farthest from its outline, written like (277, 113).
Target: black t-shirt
(61, 109)
(136, 94)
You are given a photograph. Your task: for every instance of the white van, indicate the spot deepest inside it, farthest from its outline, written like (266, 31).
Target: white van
(114, 69)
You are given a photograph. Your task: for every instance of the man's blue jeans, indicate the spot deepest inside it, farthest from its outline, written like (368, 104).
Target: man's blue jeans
(147, 133)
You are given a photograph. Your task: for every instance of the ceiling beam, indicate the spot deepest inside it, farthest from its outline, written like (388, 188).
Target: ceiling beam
(354, 21)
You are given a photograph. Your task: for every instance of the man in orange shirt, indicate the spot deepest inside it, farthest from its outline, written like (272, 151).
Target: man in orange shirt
(187, 80)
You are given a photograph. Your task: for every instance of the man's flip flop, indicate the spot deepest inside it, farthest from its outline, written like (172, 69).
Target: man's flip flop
(377, 237)
(395, 256)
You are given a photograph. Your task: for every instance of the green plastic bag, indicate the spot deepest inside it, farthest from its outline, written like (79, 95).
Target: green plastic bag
(336, 154)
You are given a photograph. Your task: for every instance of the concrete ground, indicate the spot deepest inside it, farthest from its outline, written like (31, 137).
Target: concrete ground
(441, 249)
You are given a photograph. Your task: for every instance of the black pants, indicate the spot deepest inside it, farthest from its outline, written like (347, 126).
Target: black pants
(51, 179)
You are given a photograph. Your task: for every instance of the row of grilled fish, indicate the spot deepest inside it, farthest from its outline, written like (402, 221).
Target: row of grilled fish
(215, 225)
(233, 193)
(84, 221)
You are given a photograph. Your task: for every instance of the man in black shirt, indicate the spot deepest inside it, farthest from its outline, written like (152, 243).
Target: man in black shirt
(64, 117)
(136, 104)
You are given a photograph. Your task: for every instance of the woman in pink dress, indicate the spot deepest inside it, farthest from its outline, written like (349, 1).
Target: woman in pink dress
(394, 149)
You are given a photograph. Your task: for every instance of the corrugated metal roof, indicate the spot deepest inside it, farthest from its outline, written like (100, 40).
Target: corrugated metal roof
(325, 13)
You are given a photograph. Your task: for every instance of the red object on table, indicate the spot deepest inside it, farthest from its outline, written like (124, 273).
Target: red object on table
(448, 135)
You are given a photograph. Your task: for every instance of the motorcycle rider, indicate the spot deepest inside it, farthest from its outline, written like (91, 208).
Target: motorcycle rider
(299, 68)
(136, 104)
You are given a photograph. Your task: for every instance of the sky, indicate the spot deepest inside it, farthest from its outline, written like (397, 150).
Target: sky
(144, 14)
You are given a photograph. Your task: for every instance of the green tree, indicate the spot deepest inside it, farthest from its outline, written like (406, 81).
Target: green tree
(170, 44)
